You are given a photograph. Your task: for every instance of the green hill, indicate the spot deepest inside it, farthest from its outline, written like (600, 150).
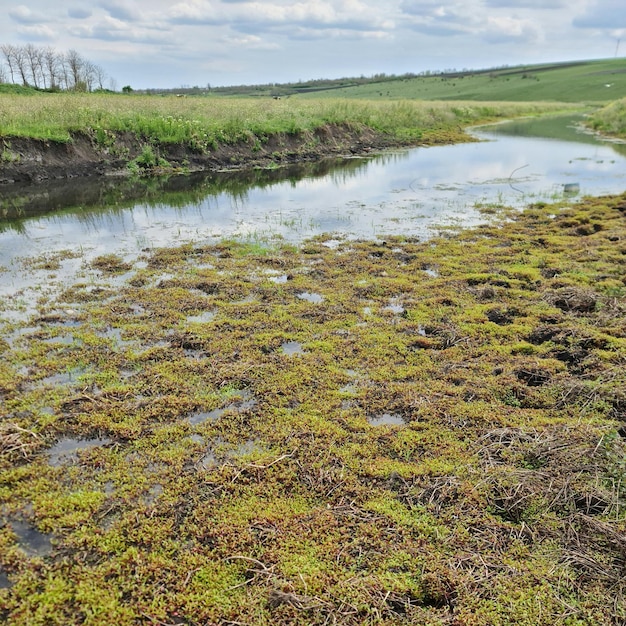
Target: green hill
(584, 81)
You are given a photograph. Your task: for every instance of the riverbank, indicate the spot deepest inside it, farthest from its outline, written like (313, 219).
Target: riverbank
(35, 160)
(55, 136)
(384, 432)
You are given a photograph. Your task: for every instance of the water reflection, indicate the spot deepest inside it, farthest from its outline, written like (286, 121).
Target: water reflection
(406, 192)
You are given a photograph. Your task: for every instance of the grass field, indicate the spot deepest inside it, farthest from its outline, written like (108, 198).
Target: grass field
(204, 122)
(584, 82)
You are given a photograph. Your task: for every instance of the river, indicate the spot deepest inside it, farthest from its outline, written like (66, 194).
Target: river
(48, 237)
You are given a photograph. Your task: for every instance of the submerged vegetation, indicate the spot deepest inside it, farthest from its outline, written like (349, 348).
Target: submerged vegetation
(356, 432)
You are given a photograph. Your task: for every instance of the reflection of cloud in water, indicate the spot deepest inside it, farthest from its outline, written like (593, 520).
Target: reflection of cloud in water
(401, 192)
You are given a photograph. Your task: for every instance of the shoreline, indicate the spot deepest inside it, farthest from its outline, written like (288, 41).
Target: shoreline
(32, 161)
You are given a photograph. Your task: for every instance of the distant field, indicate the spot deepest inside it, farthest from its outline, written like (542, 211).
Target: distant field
(589, 82)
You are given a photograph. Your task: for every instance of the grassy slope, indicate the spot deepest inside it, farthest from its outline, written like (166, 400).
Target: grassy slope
(496, 498)
(580, 83)
(203, 123)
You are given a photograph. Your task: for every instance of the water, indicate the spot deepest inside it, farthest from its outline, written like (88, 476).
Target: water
(30, 540)
(404, 192)
(67, 450)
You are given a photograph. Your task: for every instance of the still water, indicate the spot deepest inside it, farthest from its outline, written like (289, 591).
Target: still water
(409, 192)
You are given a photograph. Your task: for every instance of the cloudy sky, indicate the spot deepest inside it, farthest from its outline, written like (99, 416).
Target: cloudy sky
(157, 43)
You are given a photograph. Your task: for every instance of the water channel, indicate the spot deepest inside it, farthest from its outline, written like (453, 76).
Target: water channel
(409, 192)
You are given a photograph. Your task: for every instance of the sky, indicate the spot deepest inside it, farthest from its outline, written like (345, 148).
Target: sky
(157, 44)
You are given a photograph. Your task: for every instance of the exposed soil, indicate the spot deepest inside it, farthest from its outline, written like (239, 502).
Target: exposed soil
(35, 160)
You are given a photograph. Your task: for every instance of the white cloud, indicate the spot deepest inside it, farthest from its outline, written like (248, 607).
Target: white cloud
(250, 42)
(507, 29)
(40, 32)
(23, 15)
(122, 10)
(323, 14)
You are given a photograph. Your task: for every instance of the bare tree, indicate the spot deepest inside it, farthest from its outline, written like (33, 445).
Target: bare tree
(9, 54)
(75, 64)
(52, 64)
(33, 58)
(89, 75)
(100, 76)
(19, 57)
(45, 67)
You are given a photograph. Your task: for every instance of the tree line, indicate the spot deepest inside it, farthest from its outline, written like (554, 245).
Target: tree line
(46, 68)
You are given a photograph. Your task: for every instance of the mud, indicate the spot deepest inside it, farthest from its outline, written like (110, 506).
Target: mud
(35, 160)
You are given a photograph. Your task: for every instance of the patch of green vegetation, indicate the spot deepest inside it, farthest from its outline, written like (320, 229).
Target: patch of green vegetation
(148, 161)
(203, 445)
(611, 119)
(20, 90)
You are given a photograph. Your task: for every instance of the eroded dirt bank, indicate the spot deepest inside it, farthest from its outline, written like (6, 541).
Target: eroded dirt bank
(33, 160)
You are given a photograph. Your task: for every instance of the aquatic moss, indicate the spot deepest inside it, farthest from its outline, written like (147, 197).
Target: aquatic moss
(407, 446)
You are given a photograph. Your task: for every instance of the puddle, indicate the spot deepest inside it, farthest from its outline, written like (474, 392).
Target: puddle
(153, 493)
(208, 461)
(13, 337)
(349, 388)
(64, 378)
(204, 416)
(65, 340)
(247, 300)
(30, 540)
(60, 321)
(5, 583)
(244, 402)
(246, 448)
(292, 347)
(206, 316)
(283, 278)
(67, 450)
(386, 419)
(430, 272)
(315, 298)
(219, 454)
(394, 306)
(116, 335)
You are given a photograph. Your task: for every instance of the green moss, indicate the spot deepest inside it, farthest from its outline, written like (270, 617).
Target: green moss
(224, 478)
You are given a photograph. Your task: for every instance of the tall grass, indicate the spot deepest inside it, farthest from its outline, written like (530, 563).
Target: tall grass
(611, 119)
(203, 122)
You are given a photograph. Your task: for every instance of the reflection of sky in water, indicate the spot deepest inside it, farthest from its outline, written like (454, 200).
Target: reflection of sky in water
(406, 192)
